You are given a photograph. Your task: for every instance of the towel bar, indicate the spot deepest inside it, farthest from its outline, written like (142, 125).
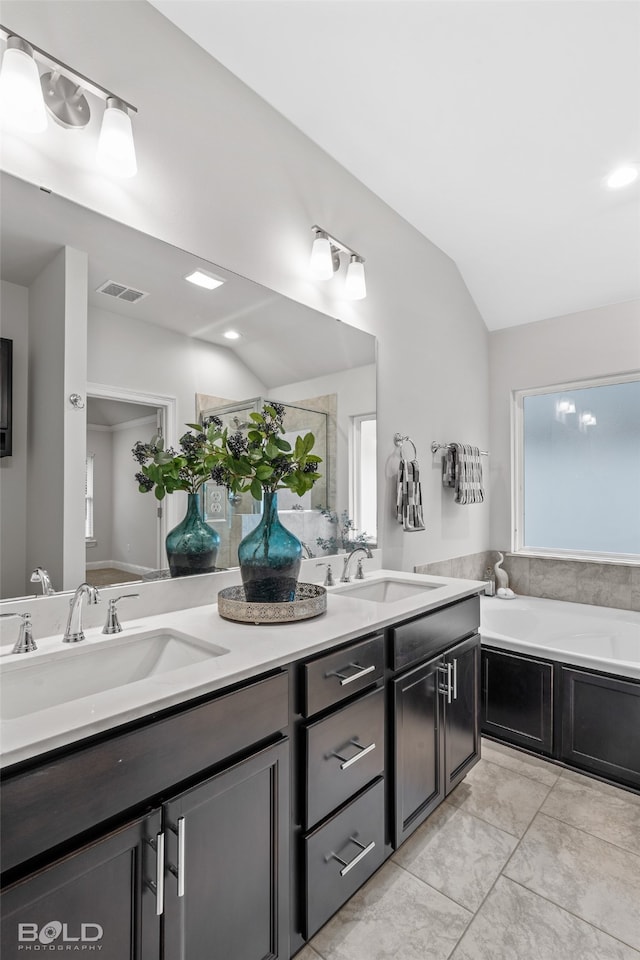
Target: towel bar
(435, 446)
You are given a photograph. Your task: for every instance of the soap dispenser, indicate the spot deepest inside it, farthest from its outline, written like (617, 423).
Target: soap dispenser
(490, 583)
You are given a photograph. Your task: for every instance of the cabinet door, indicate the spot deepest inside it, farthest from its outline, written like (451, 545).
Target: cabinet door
(227, 864)
(462, 715)
(601, 724)
(517, 699)
(418, 760)
(98, 900)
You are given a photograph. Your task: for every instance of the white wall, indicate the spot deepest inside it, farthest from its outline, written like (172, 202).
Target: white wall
(222, 174)
(99, 443)
(592, 343)
(135, 526)
(13, 469)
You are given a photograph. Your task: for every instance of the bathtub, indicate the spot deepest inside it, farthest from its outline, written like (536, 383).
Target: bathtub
(599, 638)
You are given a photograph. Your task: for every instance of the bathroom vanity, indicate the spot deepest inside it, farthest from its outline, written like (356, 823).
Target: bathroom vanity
(233, 817)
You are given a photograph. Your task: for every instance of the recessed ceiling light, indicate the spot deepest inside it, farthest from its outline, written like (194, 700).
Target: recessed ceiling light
(622, 177)
(232, 335)
(203, 279)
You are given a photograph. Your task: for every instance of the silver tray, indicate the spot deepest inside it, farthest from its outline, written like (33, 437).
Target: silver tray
(310, 601)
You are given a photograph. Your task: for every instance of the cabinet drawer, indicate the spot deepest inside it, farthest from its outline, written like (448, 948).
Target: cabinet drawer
(428, 635)
(343, 753)
(340, 674)
(342, 854)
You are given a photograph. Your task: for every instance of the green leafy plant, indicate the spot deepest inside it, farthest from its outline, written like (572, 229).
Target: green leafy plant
(263, 459)
(165, 471)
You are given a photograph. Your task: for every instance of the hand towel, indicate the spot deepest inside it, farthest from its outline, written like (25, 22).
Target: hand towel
(467, 474)
(409, 498)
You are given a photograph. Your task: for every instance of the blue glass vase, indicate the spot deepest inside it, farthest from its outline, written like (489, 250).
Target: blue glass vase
(192, 546)
(270, 558)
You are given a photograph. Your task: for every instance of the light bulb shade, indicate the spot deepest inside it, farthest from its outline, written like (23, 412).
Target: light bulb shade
(321, 258)
(355, 287)
(116, 151)
(21, 101)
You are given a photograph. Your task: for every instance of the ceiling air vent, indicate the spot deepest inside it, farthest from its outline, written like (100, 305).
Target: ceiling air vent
(121, 292)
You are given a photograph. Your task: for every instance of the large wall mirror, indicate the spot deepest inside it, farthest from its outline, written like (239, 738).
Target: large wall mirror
(110, 343)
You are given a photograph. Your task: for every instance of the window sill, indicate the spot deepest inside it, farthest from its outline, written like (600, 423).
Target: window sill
(629, 560)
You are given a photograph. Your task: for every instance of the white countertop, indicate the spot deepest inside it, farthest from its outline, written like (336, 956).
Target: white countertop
(251, 650)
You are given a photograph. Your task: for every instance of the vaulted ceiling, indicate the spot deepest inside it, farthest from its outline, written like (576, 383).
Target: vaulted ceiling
(490, 126)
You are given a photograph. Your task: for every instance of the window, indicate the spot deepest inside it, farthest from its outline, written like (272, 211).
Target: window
(363, 492)
(88, 497)
(577, 470)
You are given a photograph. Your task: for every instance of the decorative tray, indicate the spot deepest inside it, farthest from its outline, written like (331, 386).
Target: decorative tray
(310, 601)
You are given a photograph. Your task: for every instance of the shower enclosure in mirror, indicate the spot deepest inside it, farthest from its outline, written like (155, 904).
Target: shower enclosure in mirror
(97, 309)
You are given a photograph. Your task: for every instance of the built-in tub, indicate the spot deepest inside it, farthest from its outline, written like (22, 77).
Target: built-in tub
(599, 638)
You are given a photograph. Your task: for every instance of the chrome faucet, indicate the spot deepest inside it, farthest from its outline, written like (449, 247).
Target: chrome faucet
(307, 552)
(41, 576)
(347, 560)
(25, 642)
(113, 624)
(74, 632)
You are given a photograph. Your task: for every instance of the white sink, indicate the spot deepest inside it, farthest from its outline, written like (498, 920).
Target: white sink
(387, 590)
(88, 668)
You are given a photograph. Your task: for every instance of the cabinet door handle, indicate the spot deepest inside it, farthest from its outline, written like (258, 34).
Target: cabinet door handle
(157, 885)
(358, 756)
(347, 866)
(344, 680)
(455, 679)
(179, 871)
(448, 689)
(182, 856)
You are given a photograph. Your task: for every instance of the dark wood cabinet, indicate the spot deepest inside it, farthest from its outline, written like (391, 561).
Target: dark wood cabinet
(462, 715)
(418, 756)
(517, 699)
(436, 732)
(227, 855)
(601, 724)
(99, 898)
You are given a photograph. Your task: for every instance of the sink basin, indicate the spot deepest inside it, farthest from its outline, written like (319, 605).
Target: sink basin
(386, 591)
(84, 670)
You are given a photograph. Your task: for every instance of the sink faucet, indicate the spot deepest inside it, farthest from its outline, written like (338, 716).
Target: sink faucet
(74, 631)
(41, 576)
(349, 557)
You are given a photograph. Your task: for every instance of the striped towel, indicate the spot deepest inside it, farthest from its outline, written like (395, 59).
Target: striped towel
(409, 501)
(462, 470)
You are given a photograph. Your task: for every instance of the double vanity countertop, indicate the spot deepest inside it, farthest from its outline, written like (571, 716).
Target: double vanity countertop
(63, 693)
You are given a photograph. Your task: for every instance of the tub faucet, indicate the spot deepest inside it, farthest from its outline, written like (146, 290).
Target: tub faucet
(41, 576)
(74, 632)
(347, 561)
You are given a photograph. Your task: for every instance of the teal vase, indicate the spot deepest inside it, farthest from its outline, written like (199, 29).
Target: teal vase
(270, 558)
(192, 546)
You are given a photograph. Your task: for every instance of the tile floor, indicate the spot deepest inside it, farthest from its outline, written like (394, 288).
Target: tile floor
(524, 861)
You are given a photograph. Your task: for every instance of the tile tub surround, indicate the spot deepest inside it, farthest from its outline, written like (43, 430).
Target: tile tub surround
(578, 581)
(565, 887)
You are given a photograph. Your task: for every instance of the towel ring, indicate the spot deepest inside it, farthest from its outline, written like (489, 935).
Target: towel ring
(399, 441)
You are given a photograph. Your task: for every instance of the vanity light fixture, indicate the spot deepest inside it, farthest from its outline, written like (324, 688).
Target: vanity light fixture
(622, 176)
(325, 261)
(203, 279)
(24, 95)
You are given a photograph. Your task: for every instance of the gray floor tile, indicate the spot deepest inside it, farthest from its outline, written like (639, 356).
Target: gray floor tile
(394, 916)
(608, 815)
(457, 854)
(516, 924)
(600, 785)
(307, 953)
(591, 878)
(499, 796)
(524, 763)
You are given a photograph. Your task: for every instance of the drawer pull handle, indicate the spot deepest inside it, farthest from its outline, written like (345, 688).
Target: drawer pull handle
(358, 756)
(344, 680)
(179, 871)
(158, 885)
(455, 679)
(448, 690)
(364, 850)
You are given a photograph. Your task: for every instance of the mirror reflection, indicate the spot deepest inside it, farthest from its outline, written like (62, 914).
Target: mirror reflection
(101, 311)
